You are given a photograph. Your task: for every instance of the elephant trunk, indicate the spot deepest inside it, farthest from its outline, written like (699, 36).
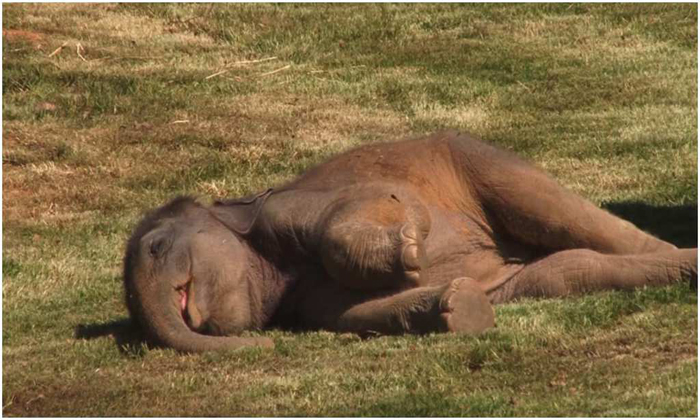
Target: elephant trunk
(161, 317)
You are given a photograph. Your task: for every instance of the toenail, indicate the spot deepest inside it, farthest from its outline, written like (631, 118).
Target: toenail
(408, 232)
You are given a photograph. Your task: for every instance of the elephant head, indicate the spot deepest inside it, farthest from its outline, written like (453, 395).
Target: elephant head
(189, 276)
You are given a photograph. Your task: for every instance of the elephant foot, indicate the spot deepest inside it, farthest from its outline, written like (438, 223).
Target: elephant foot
(465, 308)
(689, 269)
(412, 253)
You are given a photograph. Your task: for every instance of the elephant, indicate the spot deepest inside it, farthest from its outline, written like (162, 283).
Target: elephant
(414, 236)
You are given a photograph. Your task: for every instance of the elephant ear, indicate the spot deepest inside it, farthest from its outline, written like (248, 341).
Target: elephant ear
(239, 215)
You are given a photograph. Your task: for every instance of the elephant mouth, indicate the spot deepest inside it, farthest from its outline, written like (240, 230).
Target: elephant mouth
(183, 291)
(188, 310)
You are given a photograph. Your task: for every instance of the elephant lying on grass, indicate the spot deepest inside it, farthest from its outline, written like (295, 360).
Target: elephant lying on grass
(410, 237)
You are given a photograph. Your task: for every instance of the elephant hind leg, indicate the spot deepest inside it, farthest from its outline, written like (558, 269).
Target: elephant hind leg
(532, 207)
(581, 270)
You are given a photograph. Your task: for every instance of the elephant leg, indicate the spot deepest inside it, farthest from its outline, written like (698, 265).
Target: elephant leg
(377, 243)
(532, 207)
(580, 271)
(458, 306)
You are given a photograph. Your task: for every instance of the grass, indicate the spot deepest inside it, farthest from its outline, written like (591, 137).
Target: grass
(604, 97)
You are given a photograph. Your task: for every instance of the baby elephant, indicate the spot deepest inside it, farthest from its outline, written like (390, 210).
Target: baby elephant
(415, 236)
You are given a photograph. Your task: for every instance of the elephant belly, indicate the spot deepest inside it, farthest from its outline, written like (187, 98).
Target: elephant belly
(458, 247)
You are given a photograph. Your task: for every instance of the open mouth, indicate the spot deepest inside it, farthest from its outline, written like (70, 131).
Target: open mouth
(182, 290)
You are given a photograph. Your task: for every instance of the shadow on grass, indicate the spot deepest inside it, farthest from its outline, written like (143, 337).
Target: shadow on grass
(129, 339)
(675, 224)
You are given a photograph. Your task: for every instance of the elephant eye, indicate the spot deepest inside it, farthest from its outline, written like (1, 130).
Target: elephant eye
(157, 247)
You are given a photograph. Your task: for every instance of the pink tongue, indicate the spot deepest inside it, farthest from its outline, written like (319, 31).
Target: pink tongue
(183, 301)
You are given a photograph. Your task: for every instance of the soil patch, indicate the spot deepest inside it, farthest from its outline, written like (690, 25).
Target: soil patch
(18, 35)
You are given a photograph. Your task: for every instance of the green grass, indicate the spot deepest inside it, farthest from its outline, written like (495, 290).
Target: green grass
(604, 97)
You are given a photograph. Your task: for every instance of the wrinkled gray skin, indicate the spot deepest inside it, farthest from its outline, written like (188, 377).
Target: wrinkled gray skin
(410, 237)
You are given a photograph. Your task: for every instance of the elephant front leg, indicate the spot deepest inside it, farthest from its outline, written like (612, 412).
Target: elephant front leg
(459, 306)
(376, 244)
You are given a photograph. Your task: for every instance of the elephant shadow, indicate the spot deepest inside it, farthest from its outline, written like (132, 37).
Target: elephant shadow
(128, 337)
(675, 224)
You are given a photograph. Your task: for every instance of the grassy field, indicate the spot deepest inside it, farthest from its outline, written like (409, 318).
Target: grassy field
(144, 102)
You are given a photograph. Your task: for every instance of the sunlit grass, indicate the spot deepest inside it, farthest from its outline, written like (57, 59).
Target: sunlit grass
(146, 102)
